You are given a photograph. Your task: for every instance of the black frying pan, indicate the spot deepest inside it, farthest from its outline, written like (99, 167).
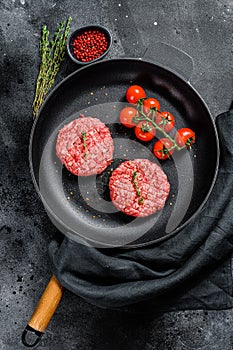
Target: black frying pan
(108, 81)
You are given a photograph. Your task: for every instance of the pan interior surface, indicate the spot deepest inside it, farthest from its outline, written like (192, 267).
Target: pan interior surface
(99, 91)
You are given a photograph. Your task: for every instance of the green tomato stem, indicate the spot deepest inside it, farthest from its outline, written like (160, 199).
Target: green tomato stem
(144, 117)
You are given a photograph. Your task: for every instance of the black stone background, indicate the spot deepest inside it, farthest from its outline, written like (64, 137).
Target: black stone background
(202, 29)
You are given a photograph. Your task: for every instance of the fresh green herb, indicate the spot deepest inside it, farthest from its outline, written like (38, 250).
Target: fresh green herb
(138, 191)
(52, 54)
(84, 138)
(141, 200)
(134, 176)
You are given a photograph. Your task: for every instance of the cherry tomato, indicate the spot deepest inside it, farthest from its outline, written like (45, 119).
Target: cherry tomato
(165, 119)
(134, 93)
(150, 103)
(185, 136)
(126, 116)
(162, 148)
(145, 131)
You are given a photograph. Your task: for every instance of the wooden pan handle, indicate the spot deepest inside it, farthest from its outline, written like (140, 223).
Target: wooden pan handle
(44, 311)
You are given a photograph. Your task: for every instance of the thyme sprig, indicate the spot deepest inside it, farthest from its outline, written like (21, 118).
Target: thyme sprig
(52, 53)
(138, 191)
(84, 138)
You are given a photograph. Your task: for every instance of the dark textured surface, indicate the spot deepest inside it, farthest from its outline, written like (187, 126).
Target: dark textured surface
(203, 30)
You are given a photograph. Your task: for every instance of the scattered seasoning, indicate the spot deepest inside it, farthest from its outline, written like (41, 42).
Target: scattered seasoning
(106, 94)
(138, 191)
(170, 203)
(68, 198)
(173, 196)
(91, 93)
(89, 45)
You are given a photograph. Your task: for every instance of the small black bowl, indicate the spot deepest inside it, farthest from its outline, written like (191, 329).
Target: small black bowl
(81, 30)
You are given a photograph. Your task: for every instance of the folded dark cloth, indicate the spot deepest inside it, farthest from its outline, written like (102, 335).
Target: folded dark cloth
(191, 270)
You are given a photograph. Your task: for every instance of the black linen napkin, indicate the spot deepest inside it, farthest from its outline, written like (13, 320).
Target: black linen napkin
(191, 270)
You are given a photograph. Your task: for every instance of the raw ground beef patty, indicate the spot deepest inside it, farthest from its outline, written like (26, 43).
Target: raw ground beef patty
(85, 146)
(139, 187)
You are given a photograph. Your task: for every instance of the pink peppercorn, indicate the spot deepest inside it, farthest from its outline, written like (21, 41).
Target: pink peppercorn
(89, 45)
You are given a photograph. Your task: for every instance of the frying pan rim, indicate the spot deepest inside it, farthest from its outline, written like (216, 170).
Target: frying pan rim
(63, 81)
